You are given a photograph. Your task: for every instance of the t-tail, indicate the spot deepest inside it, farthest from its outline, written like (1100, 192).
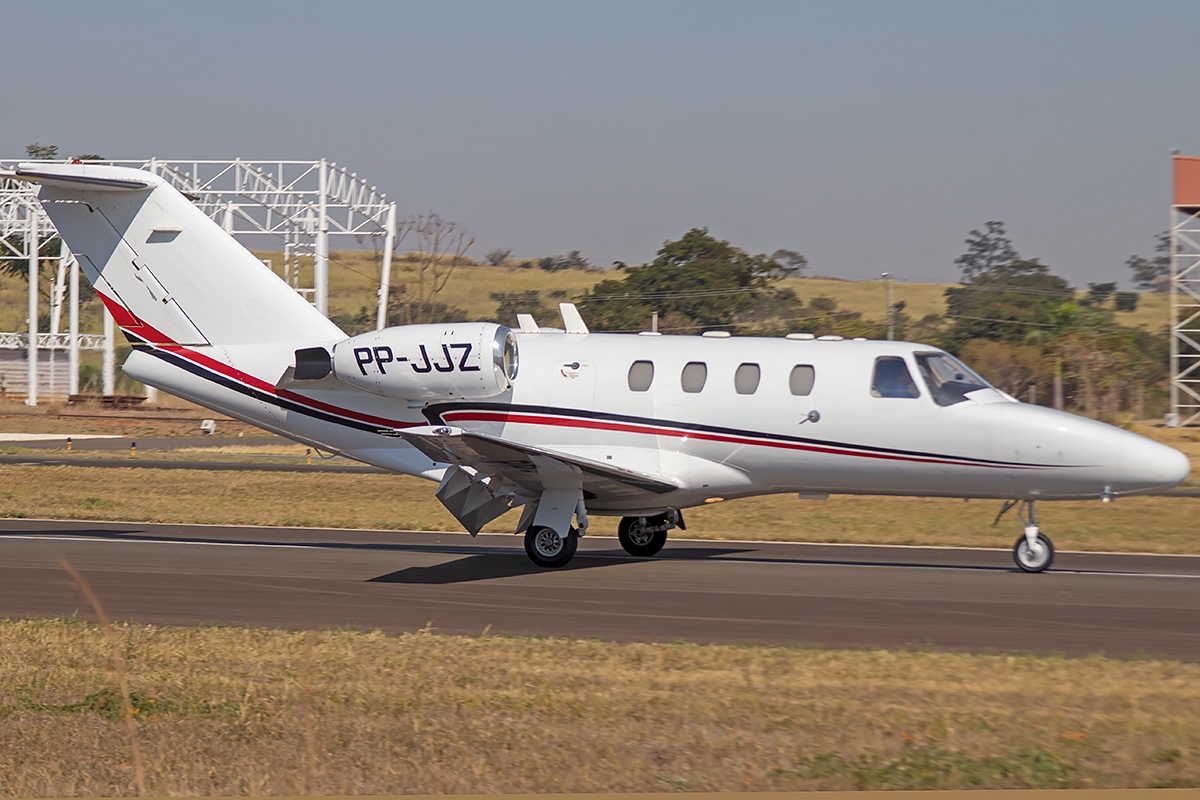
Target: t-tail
(168, 274)
(211, 323)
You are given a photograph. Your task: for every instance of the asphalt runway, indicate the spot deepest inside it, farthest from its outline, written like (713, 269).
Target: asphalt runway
(120, 443)
(795, 594)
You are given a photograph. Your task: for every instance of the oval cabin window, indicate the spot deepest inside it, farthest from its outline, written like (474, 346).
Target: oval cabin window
(694, 376)
(801, 380)
(745, 380)
(641, 375)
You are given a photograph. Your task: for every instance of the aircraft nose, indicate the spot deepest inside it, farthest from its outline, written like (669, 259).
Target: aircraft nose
(1147, 464)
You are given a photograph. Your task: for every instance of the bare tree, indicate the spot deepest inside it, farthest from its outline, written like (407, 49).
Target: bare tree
(440, 248)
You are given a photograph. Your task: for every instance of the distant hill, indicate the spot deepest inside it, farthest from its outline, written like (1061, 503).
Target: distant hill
(354, 278)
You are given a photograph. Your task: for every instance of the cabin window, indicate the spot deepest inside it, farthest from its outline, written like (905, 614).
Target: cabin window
(892, 379)
(641, 375)
(801, 380)
(949, 381)
(745, 380)
(693, 377)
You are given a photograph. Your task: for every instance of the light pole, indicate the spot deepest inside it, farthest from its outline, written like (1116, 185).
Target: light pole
(891, 309)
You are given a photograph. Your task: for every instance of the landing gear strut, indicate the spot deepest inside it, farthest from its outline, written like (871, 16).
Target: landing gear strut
(1033, 551)
(645, 536)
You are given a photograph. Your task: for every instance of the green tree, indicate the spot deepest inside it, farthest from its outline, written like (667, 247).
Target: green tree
(695, 282)
(497, 257)
(987, 252)
(1001, 296)
(509, 304)
(791, 263)
(1151, 274)
(1098, 293)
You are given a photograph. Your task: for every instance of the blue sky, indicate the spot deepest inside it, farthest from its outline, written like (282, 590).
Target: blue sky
(870, 136)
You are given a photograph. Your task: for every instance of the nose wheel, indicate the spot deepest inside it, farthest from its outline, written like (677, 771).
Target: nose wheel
(1033, 551)
(1034, 555)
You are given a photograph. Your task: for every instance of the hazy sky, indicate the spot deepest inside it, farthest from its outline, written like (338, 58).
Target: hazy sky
(870, 136)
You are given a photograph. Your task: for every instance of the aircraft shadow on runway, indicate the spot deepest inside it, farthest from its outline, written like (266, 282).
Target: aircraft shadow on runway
(483, 567)
(479, 562)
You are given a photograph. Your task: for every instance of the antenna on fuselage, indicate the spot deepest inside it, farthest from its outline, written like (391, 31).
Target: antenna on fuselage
(572, 321)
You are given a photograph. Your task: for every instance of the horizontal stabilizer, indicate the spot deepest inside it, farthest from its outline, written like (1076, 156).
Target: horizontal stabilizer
(531, 468)
(98, 178)
(167, 273)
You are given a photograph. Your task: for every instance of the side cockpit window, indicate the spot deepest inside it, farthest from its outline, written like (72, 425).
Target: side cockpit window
(892, 379)
(949, 381)
(641, 375)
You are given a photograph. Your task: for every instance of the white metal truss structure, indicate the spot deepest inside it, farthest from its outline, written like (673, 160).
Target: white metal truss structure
(51, 341)
(298, 204)
(1185, 316)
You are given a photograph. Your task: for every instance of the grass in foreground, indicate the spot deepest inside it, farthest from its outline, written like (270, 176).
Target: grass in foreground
(226, 711)
(324, 500)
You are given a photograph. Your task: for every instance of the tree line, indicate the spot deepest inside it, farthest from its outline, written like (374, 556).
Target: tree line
(1023, 327)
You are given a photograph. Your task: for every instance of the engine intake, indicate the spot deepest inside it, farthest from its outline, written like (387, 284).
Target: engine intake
(471, 360)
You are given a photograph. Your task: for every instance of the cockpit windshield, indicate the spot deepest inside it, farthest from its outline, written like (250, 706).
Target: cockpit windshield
(948, 379)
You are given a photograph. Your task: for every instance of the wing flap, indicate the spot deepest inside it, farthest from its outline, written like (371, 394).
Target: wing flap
(533, 469)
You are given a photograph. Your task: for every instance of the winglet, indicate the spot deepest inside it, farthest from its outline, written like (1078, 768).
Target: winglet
(572, 321)
(527, 323)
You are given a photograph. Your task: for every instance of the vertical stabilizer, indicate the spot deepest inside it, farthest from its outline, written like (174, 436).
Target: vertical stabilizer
(168, 273)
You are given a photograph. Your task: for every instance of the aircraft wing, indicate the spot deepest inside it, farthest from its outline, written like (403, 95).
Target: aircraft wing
(531, 468)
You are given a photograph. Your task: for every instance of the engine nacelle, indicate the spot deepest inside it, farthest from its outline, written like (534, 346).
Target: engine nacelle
(469, 360)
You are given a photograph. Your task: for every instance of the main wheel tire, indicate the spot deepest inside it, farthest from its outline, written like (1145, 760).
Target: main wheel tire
(1029, 560)
(549, 550)
(643, 536)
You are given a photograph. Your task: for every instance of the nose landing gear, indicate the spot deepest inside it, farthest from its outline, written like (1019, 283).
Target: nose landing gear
(1033, 551)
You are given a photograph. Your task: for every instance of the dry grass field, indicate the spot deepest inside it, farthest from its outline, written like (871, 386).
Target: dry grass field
(354, 278)
(1147, 524)
(223, 711)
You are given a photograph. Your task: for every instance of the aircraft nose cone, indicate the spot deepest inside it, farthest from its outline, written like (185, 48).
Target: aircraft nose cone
(1147, 464)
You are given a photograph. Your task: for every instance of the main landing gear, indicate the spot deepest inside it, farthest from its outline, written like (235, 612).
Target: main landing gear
(645, 536)
(1033, 552)
(547, 549)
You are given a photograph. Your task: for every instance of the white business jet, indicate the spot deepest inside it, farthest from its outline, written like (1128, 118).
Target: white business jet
(567, 423)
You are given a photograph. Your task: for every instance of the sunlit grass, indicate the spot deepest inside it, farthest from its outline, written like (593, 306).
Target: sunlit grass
(223, 711)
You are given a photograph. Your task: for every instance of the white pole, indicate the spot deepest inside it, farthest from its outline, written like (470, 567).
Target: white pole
(73, 329)
(60, 288)
(891, 311)
(385, 275)
(31, 241)
(110, 355)
(321, 258)
(56, 304)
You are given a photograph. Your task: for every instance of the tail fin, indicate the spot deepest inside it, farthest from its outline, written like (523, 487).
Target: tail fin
(168, 273)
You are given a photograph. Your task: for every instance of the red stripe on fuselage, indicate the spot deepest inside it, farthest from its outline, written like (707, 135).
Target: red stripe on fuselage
(136, 327)
(527, 418)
